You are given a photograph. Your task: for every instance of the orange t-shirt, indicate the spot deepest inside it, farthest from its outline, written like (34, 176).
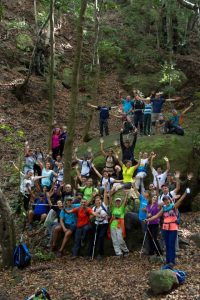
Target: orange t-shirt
(83, 215)
(170, 219)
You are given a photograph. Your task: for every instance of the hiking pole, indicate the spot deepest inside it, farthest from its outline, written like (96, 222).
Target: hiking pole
(155, 244)
(145, 235)
(95, 238)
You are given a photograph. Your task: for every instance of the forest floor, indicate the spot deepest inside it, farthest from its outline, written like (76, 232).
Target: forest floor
(109, 279)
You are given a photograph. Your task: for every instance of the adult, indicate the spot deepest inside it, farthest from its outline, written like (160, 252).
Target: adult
(166, 192)
(128, 171)
(65, 191)
(83, 225)
(39, 156)
(103, 117)
(138, 108)
(128, 147)
(47, 174)
(40, 210)
(67, 225)
(85, 164)
(157, 101)
(170, 226)
(142, 171)
(106, 181)
(174, 124)
(99, 227)
(89, 191)
(29, 158)
(55, 143)
(153, 227)
(117, 228)
(111, 161)
(161, 176)
(147, 116)
(62, 139)
(127, 105)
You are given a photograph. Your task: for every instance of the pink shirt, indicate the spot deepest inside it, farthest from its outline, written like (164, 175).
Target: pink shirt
(55, 141)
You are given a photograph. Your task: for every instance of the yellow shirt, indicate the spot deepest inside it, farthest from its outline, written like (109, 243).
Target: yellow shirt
(128, 173)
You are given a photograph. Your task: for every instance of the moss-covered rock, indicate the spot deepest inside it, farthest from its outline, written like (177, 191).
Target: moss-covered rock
(162, 281)
(24, 42)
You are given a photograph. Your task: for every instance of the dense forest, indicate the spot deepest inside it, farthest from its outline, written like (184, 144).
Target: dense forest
(63, 63)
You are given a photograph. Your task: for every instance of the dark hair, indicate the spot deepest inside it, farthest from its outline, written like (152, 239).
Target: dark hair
(166, 198)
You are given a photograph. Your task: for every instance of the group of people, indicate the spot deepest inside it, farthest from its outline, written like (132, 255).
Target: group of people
(145, 114)
(94, 207)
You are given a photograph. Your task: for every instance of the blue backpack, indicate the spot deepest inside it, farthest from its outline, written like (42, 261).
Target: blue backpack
(22, 257)
(181, 275)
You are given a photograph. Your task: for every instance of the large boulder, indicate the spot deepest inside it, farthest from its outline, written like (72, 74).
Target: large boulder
(162, 281)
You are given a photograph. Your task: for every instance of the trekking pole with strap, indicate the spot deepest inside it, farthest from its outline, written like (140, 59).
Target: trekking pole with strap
(95, 238)
(155, 244)
(144, 239)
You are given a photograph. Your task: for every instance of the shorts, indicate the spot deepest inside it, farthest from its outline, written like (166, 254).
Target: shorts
(141, 175)
(71, 227)
(154, 117)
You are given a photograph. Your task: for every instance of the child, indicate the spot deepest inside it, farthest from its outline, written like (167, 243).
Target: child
(142, 171)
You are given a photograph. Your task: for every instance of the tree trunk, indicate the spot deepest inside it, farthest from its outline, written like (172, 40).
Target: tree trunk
(95, 69)
(7, 232)
(188, 4)
(51, 72)
(35, 15)
(74, 94)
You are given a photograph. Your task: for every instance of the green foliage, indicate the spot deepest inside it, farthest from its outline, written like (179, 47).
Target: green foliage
(109, 52)
(197, 95)
(172, 76)
(42, 256)
(42, 16)
(24, 42)
(67, 76)
(17, 24)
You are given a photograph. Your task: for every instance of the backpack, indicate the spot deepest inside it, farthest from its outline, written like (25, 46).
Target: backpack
(22, 257)
(41, 294)
(103, 207)
(181, 275)
(88, 165)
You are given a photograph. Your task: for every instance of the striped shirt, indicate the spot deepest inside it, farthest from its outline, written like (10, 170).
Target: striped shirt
(148, 109)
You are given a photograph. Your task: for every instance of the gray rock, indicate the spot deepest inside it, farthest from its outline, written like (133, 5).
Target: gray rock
(198, 220)
(162, 281)
(196, 238)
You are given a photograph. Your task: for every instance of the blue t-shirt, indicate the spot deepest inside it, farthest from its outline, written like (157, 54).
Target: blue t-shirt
(157, 104)
(69, 219)
(40, 209)
(127, 105)
(143, 204)
(104, 112)
(46, 181)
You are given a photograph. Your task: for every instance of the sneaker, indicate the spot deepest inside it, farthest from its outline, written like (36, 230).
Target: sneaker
(126, 254)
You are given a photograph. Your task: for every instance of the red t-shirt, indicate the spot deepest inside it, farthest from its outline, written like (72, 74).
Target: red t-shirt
(83, 215)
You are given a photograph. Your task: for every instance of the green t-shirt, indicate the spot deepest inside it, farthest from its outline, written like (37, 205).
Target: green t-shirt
(87, 192)
(117, 212)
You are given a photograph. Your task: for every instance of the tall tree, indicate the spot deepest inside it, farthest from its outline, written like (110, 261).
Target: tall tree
(35, 15)
(189, 4)
(95, 69)
(7, 232)
(74, 93)
(51, 72)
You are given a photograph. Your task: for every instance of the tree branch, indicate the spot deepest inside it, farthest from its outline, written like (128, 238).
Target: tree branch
(188, 4)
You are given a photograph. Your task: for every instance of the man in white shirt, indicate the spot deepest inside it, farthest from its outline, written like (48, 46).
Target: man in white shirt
(166, 192)
(159, 175)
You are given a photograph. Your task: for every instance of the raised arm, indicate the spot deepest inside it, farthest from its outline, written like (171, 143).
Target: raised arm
(101, 147)
(134, 139)
(178, 203)
(177, 177)
(96, 171)
(93, 106)
(151, 161)
(167, 164)
(185, 110)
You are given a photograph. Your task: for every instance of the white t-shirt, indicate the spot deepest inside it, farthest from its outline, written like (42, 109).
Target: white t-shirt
(107, 180)
(85, 167)
(161, 178)
(102, 212)
(171, 194)
(25, 183)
